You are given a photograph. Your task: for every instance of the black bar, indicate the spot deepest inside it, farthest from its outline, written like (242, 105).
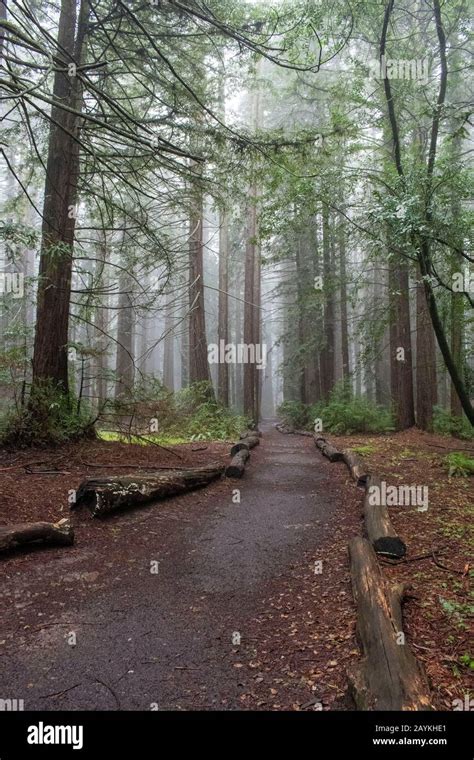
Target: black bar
(159, 734)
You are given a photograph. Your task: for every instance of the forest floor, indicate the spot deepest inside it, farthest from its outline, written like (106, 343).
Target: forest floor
(226, 570)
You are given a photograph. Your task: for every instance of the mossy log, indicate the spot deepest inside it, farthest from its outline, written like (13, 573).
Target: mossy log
(104, 495)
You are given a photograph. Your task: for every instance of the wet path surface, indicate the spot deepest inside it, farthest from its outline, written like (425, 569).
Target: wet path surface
(169, 610)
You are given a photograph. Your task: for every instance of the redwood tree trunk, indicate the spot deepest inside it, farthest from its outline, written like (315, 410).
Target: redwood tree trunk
(125, 365)
(3, 17)
(327, 354)
(50, 358)
(249, 311)
(426, 388)
(401, 365)
(198, 363)
(168, 350)
(223, 318)
(344, 321)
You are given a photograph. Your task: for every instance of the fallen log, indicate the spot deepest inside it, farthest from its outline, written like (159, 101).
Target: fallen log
(388, 676)
(327, 449)
(19, 534)
(237, 466)
(250, 434)
(356, 466)
(104, 495)
(248, 444)
(382, 535)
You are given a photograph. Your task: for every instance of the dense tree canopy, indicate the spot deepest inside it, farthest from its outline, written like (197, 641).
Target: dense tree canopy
(289, 177)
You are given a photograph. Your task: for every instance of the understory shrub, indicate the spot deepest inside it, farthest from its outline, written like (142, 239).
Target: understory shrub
(49, 418)
(447, 424)
(191, 413)
(344, 413)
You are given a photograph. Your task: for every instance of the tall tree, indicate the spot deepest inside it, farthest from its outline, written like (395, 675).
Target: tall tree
(198, 358)
(327, 353)
(50, 358)
(223, 315)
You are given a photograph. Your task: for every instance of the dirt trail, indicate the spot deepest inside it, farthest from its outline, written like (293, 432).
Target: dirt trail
(170, 640)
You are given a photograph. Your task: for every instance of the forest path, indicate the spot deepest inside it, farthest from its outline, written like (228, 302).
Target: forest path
(170, 639)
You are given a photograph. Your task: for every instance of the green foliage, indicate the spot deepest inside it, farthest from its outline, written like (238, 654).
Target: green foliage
(459, 464)
(50, 418)
(191, 414)
(447, 424)
(211, 421)
(295, 414)
(348, 414)
(342, 414)
(467, 660)
(364, 450)
(458, 612)
(199, 417)
(16, 233)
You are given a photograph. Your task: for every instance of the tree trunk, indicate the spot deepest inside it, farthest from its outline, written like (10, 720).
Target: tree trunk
(426, 384)
(301, 281)
(457, 299)
(315, 392)
(184, 339)
(168, 350)
(424, 260)
(101, 324)
(327, 354)
(249, 369)
(3, 17)
(198, 362)
(343, 291)
(223, 314)
(401, 366)
(50, 358)
(125, 360)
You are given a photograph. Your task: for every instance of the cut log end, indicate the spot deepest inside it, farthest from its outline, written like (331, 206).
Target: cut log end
(237, 466)
(390, 546)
